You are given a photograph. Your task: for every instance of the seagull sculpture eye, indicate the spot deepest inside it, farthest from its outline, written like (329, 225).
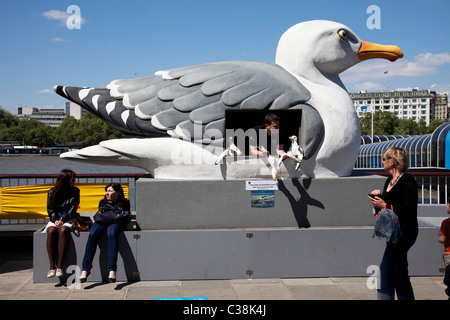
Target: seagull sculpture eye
(342, 34)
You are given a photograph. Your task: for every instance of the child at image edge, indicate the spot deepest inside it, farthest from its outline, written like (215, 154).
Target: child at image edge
(444, 238)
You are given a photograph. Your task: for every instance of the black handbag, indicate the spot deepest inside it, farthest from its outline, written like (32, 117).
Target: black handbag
(109, 214)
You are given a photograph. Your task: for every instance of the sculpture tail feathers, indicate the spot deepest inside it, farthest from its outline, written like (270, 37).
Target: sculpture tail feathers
(87, 98)
(109, 109)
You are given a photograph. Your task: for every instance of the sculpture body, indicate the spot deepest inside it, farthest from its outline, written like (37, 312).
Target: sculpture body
(180, 114)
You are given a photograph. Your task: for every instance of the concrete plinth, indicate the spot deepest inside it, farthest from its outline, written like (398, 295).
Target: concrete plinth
(178, 204)
(242, 254)
(208, 230)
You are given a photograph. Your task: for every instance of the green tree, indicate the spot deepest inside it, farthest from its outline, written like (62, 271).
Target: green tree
(434, 125)
(65, 133)
(87, 131)
(406, 127)
(32, 132)
(92, 130)
(384, 123)
(28, 131)
(7, 119)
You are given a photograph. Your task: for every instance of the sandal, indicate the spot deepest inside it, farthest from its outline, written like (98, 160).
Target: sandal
(59, 272)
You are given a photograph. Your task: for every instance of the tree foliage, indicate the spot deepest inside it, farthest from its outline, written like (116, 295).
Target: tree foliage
(386, 123)
(89, 130)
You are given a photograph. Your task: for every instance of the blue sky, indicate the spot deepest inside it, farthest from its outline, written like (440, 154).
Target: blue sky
(119, 39)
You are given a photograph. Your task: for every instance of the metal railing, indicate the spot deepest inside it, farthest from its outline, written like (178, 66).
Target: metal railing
(15, 180)
(433, 187)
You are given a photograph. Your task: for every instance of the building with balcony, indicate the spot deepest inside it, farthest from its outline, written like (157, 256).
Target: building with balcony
(441, 107)
(413, 104)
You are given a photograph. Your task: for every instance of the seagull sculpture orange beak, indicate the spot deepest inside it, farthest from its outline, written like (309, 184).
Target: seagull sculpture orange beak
(370, 50)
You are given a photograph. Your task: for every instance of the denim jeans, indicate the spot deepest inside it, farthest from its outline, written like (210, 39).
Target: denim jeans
(394, 270)
(112, 231)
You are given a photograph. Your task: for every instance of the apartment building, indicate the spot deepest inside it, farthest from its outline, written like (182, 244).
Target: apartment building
(441, 107)
(412, 104)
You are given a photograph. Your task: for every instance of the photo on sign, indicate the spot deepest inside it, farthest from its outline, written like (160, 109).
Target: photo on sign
(262, 198)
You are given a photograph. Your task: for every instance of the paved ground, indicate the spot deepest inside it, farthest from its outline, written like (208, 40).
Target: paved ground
(16, 283)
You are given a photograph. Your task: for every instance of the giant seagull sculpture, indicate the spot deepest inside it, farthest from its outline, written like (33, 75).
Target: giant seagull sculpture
(178, 116)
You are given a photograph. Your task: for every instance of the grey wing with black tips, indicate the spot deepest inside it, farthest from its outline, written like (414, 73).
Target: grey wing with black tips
(173, 102)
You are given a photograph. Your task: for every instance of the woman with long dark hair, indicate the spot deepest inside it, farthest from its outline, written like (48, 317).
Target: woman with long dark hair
(63, 200)
(115, 197)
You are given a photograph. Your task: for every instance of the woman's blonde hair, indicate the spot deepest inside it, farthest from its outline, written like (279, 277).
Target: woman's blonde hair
(399, 156)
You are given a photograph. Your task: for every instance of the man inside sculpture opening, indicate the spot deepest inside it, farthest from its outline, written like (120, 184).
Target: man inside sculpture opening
(268, 140)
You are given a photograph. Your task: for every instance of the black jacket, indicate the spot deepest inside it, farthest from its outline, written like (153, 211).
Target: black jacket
(403, 198)
(67, 205)
(122, 204)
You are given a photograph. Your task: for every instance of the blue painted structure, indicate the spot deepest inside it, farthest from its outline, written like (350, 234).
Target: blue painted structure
(425, 151)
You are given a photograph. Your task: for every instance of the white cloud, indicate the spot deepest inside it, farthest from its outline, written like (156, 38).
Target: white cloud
(56, 15)
(440, 88)
(45, 91)
(423, 65)
(364, 75)
(368, 86)
(57, 40)
(60, 16)
(409, 89)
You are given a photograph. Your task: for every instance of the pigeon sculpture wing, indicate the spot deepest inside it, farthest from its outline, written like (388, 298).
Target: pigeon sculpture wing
(172, 102)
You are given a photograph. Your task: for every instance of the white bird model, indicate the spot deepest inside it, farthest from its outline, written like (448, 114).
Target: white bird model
(190, 104)
(275, 164)
(231, 150)
(295, 152)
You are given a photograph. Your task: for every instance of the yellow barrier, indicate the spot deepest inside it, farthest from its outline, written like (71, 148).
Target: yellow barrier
(30, 202)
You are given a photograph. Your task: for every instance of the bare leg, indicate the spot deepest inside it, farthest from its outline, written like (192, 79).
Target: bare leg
(63, 233)
(52, 232)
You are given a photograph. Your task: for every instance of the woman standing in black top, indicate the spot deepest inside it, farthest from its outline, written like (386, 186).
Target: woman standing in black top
(62, 205)
(400, 192)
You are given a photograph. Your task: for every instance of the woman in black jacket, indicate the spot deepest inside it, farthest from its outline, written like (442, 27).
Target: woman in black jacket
(114, 196)
(400, 193)
(63, 200)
